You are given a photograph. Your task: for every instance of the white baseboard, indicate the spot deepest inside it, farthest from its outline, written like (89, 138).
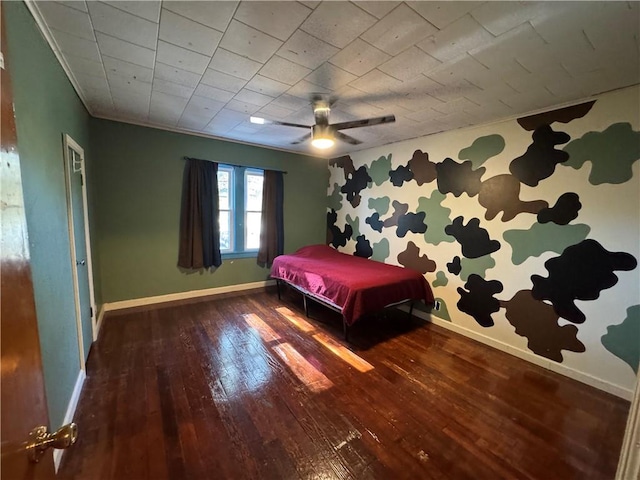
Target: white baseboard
(68, 416)
(99, 321)
(616, 390)
(172, 297)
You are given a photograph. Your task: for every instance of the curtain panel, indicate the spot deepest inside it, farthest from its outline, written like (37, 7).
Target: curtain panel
(272, 221)
(199, 226)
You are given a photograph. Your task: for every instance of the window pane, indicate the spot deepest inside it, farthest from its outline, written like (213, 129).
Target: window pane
(252, 237)
(223, 190)
(225, 230)
(253, 192)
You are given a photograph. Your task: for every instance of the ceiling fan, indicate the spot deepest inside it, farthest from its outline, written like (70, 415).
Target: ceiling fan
(324, 134)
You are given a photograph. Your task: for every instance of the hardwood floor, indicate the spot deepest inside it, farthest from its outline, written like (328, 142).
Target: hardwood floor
(246, 387)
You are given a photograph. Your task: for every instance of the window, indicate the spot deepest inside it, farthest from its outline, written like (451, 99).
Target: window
(240, 198)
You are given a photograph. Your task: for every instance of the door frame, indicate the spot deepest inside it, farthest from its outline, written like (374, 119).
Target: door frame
(70, 169)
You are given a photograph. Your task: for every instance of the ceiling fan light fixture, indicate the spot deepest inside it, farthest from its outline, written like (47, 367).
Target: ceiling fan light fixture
(322, 137)
(322, 143)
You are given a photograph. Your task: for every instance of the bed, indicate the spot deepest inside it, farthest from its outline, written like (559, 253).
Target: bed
(351, 285)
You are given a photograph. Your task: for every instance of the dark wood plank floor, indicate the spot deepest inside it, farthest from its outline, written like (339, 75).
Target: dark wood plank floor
(198, 390)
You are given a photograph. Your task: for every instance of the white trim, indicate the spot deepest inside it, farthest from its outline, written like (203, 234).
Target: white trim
(172, 297)
(99, 320)
(629, 463)
(68, 416)
(616, 390)
(68, 172)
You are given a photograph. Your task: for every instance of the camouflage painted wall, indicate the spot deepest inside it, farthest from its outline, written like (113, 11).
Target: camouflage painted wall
(528, 230)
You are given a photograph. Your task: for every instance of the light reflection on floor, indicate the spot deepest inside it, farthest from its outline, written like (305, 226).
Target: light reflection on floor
(329, 343)
(343, 353)
(297, 321)
(313, 378)
(266, 332)
(304, 369)
(242, 369)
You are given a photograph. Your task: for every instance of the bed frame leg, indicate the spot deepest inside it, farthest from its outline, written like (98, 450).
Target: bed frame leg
(278, 288)
(345, 329)
(306, 305)
(410, 311)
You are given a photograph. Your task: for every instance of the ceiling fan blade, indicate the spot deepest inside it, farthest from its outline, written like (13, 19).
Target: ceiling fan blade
(347, 138)
(304, 138)
(287, 124)
(364, 123)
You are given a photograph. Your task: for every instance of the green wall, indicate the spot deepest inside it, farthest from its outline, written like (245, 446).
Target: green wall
(137, 181)
(46, 106)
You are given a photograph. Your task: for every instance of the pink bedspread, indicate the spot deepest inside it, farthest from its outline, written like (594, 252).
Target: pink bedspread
(355, 284)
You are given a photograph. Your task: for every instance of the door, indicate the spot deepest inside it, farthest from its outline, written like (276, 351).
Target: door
(23, 397)
(80, 250)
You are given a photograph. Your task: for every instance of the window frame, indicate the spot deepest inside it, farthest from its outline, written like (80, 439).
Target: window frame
(231, 210)
(238, 214)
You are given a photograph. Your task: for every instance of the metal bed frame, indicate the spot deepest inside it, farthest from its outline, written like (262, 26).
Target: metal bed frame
(345, 328)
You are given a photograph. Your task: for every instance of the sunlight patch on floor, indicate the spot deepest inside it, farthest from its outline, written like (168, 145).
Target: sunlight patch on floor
(266, 332)
(343, 353)
(296, 320)
(313, 378)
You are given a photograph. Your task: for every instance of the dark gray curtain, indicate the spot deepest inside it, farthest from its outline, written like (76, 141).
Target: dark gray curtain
(199, 226)
(272, 222)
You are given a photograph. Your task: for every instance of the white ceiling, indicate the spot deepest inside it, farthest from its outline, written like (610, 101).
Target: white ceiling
(205, 67)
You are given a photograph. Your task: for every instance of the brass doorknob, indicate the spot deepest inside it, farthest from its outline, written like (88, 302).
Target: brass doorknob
(40, 440)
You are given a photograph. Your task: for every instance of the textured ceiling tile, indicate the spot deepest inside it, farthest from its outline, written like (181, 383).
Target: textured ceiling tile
(113, 66)
(122, 25)
(500, 17)
(188, 34)
(456, 39)
(170, 88)
(359, 58)
(376, 81)
(176, 75)
(254, 98)
(376, 8)
(202, 106)
(283, 70)
(267, 86)
(82, 66)
(399, 30)
(242, 107)
(461, 68)
(522, 44)
(91, 82)
(306, 50)
(182, 58)
(234, 64)
(442, 14)
(193, 121)
(418, 102)
(304, 89)
(213, 93)
(116, 48)
(330, 76)
(176, 103)
(212, 14)
(66, 19)
(278, 19)
(149, 10)
(223, 81)
(409, 64)
(249, 42)
(121, 84)
(338, 23)
(80, 47)
(291, 102)
(76, 4)
(274, 111)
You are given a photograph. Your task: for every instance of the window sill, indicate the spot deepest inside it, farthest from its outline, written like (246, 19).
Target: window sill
(232, 255)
